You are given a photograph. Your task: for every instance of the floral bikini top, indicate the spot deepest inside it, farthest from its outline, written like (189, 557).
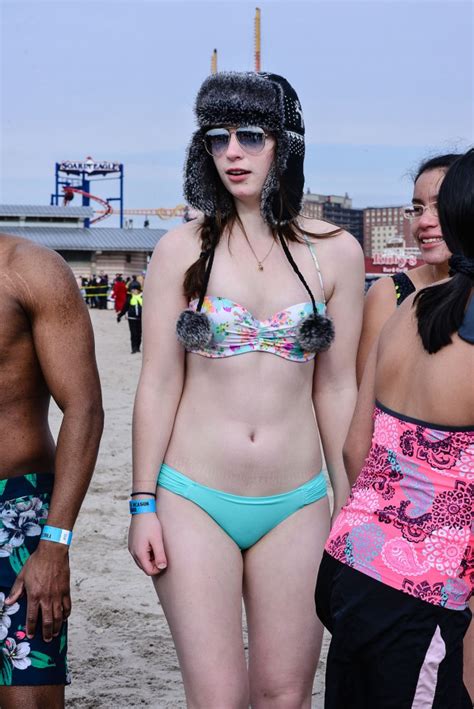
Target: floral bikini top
(236, 331)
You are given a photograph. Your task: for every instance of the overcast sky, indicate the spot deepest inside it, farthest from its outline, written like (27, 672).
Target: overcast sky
(382, 85)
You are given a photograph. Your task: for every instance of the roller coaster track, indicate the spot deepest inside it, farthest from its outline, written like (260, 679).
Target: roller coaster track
(103, 214)
(161, 212)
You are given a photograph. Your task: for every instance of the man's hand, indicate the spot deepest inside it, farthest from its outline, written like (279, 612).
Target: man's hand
(45, 580)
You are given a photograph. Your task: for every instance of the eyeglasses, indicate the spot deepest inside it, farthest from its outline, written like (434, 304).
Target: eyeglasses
(250, 138)
(415, 211)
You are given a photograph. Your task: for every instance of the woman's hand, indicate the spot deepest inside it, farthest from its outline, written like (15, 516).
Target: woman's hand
(340, 499)
(145, 543)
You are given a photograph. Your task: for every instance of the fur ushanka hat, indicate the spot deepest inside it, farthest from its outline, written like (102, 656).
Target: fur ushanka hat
(248, 99)
(268, 101)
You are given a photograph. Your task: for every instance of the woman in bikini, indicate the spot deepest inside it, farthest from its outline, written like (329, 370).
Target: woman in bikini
(251, 325)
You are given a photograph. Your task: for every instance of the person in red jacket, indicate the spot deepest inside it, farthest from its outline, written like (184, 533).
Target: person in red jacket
(119, 293)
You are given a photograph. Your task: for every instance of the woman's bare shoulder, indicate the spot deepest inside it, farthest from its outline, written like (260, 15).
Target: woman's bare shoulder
(315, 228)
(181, 242)
(379, 305)
(383, 291)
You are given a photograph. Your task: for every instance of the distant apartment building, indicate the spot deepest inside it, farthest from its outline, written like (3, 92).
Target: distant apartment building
(385, 228)
(336, 209)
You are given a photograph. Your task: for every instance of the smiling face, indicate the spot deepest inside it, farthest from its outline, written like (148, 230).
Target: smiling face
(243, 174)
(426, 229)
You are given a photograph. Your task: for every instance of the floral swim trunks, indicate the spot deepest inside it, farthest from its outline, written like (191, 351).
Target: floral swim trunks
(24, 506)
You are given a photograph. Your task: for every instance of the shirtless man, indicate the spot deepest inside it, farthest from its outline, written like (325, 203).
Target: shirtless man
(46, 350)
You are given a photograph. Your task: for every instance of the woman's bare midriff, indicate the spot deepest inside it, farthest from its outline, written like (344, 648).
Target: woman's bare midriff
(245, 424)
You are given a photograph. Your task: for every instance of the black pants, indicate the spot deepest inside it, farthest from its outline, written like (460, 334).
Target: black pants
(135, 334)
(102, 304)
(389, 650)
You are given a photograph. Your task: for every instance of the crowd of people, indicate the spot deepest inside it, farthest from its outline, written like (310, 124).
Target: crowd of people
(124, 295)
(262, 359)
(98, 290)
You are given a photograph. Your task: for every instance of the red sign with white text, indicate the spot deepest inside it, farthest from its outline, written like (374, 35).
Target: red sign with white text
(381, 264)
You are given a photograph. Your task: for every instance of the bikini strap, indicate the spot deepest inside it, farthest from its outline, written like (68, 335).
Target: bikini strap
(316, 263)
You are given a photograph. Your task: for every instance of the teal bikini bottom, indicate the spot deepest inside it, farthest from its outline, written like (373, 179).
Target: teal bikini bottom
(244, 519)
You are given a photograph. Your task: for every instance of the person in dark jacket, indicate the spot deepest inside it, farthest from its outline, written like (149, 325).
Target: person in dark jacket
(103, 291)
(133, 310)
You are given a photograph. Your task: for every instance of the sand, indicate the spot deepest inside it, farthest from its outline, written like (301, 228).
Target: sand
(120, 649)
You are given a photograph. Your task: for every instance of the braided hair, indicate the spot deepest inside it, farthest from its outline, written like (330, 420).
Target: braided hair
(315, 332)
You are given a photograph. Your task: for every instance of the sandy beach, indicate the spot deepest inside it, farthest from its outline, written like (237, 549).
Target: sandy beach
(120, 649)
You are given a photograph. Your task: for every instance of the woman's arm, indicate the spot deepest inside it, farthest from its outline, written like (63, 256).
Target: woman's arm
(335, 387)
(160, 385)
(162, 374)
(359, 437)
(380, 302)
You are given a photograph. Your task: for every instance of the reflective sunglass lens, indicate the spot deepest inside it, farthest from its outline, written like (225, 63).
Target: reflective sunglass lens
(251, 139)
(216, 140)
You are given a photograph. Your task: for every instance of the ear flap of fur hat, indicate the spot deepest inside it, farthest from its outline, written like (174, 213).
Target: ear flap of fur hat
(203, 188)
(239, 99)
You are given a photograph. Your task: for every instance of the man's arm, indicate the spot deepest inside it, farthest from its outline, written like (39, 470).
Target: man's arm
(64, 344)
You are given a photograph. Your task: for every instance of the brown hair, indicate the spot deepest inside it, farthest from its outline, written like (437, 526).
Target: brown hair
(211, 231)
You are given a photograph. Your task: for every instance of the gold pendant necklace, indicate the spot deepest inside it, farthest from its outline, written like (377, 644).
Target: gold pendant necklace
(260, 261)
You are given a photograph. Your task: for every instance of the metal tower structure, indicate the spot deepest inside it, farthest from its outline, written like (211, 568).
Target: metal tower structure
(214, 62)
(257, 40)
(75, 177)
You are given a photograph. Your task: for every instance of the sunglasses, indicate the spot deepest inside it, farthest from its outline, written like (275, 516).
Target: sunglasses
(250, 138)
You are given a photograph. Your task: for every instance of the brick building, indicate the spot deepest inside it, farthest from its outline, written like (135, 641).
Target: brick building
(336, 209)
(386, 228)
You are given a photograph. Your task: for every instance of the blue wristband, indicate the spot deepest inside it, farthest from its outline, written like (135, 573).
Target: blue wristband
(55, 534)
(137, 507)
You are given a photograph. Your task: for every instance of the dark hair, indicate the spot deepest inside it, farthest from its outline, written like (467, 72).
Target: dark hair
(211, 229)
(440, 308)
(439, 162)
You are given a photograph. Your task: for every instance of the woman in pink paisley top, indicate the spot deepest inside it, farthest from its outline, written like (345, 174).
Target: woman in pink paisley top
(398, 568)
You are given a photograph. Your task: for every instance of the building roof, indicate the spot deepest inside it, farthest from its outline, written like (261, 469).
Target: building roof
(43, 210)
(98, 239)
(385, 206)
